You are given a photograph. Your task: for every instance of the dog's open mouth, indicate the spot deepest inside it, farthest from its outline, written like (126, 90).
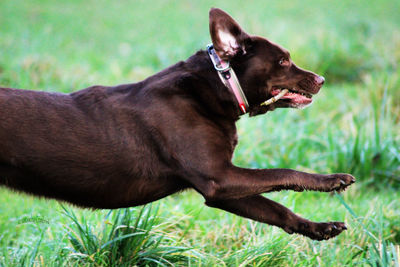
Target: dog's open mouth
(294, 97)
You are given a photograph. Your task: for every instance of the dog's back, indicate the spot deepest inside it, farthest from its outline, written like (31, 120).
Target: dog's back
(88, 147)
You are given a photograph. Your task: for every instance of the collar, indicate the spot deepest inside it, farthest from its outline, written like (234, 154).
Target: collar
(228, 78)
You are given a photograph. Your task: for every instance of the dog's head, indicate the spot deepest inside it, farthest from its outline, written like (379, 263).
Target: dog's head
(263, 67)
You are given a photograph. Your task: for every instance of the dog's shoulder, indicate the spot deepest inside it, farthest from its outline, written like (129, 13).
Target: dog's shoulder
(93, 93)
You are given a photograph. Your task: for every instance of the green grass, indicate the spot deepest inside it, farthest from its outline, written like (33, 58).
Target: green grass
(353, 127)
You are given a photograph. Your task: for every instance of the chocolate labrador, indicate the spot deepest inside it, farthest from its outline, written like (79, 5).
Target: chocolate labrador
(128, 145)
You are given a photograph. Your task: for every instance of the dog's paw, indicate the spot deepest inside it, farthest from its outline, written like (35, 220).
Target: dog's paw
(337, 182)
(318, 231)
(325, 231)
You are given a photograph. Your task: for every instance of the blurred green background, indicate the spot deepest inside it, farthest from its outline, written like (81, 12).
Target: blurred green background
(353, 127)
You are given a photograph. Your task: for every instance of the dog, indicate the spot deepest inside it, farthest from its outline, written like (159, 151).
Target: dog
(112, 147)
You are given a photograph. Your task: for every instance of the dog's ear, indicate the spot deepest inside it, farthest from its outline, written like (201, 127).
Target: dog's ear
(227, 36)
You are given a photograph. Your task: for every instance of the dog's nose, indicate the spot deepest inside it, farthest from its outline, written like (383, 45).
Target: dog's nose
(320, 80)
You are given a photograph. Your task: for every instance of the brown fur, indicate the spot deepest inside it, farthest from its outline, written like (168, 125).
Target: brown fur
(122, 146)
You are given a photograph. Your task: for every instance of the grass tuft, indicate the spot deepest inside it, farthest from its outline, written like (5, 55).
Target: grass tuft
(126, 237)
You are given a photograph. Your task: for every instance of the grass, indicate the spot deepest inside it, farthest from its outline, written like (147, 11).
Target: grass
(353, 127)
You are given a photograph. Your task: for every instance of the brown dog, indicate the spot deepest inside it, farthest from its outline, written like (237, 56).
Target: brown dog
(122, 146)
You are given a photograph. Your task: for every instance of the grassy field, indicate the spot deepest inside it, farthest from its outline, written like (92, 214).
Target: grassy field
(352, 127)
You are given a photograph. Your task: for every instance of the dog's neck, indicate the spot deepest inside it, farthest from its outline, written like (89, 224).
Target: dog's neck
(209, 89)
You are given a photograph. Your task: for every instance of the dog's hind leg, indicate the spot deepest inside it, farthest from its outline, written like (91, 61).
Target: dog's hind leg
(21, 180)
(267, 211)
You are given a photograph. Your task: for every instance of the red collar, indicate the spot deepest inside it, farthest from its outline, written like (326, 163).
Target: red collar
(228, 78)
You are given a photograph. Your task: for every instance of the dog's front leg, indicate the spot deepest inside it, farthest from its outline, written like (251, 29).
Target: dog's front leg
(233, 182)
(267, 211)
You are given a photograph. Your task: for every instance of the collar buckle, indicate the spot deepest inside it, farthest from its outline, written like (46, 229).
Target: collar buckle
(219, 64)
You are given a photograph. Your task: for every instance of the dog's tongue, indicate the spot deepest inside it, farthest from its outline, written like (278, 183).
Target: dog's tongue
(294, 97)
